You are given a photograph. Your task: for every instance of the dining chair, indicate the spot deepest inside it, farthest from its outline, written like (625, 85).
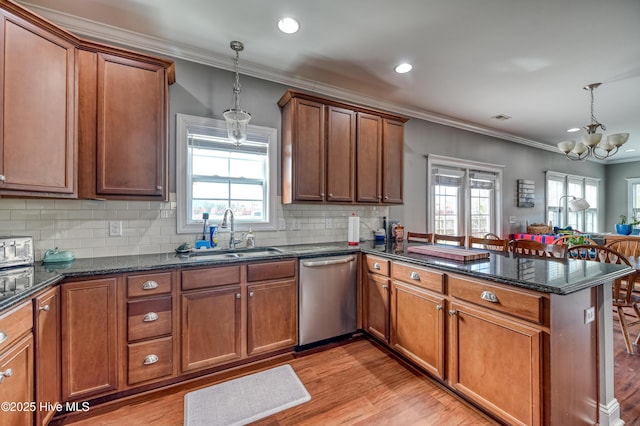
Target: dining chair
(492, 236)
(417, 236)
(536, 248)
(623, 296)
(455, 240)
(567, 239)
(494, 244)
(627, 246)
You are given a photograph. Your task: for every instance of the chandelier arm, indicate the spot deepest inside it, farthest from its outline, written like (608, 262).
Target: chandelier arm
(606, 155)
(576, 157)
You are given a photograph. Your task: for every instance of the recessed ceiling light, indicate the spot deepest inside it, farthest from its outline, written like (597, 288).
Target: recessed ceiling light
(403, 68)
(288, 25)
(573, 129)
(630, 150)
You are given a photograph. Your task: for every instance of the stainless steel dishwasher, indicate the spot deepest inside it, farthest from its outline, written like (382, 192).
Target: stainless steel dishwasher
(327, 298)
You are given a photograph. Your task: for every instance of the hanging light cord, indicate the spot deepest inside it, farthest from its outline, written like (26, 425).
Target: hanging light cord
(236, 85)
(593, 127)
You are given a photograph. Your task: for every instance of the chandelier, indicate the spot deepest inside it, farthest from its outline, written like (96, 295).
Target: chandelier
(592, 144)
(237, 119)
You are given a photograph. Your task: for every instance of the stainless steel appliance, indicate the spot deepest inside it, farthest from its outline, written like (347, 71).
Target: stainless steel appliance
(16, 265)
(327, 298)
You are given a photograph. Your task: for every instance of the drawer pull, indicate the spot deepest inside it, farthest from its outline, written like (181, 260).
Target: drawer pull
(376, 266)
(6, 373)
(150, 317)
(3, 336)
(149, 285)
(250, 294)
(45, 308)
(489, 297)
(452, 312)
(150, 359)
(2, 178)
(384, 286)
(237, 295)
(414, 276)
(438, 307)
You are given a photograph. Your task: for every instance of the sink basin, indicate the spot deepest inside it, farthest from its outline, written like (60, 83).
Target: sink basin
(240, 253)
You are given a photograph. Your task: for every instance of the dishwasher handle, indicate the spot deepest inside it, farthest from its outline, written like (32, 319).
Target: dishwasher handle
(332, 261)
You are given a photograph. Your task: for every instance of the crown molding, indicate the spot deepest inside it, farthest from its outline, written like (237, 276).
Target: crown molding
(133, 40)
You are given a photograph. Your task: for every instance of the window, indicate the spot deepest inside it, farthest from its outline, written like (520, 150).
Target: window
(634, 198)
(560, 185)
(213, 174)
(464, 196)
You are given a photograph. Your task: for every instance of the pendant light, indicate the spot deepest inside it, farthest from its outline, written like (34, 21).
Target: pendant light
(237, 119)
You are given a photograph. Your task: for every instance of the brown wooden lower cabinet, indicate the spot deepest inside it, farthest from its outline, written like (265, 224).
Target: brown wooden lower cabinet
(90, 350)
(417, 326)
(211, 327)
(376, 290)
(497, 363)
(47, 353)
(16, 365)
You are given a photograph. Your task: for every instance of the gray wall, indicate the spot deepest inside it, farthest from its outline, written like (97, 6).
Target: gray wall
(206, 91)
(617, 194)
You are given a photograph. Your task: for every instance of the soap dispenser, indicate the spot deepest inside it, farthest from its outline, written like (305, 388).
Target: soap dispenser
(249, 239)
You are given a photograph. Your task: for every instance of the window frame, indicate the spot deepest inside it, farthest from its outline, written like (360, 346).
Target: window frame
(631, 199)
(564, 214)
(469, 167)
(183, 123)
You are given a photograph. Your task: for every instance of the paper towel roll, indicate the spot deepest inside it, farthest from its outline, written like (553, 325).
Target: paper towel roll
(353, 237)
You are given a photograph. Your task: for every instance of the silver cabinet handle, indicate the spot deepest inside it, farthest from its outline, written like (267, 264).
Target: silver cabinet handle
(45, 308)
(331, 194)
(3, 336)
(438, 307)
(489, 297)
(6, 373)
(452, 312)
(150, 317)
(150, 359)
(376, 266)
(2, 178)
(414, 276)
(250, 294)
(322, 194)
(159, 188)
(384, 286)
(386, 197)
(237, 295)
(149, 285)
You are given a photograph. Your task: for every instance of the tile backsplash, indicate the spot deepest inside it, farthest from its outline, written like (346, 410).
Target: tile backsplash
(82, 226)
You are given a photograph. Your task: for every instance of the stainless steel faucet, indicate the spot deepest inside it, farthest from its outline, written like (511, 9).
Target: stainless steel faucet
(232, 240)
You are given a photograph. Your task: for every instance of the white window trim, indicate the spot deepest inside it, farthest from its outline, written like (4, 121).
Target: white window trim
(183, 121)
(565, 210)
(437, 161)
(630, 183)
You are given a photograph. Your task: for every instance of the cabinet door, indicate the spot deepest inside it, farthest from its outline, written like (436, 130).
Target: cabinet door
(272, 316)
(89, 338)
(392, 161)
(308, 150)
(489, 351)
(376, 295)
(131, 128)
(47, 348)
(37, 118)
(211, 324)
(341, 154)
(16, 382)
(369, 148)
(417, 326)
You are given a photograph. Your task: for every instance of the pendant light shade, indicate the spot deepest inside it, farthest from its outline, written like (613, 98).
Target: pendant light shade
(237, 120)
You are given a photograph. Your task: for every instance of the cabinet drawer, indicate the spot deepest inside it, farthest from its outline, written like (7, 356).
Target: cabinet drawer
(149, 318)
(521, 304)
(377, 265)
(148, 284)
(15, 323)
(271, 270)
(417, 275)
(210, 277)
(150, 360)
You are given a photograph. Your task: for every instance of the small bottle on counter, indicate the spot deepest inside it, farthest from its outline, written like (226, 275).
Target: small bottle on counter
(249, 239)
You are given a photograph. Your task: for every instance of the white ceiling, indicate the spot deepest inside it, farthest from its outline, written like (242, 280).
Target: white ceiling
(471, 59)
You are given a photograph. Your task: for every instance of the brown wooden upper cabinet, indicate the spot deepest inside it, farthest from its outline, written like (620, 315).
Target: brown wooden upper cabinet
(123, 121)
(339, 153)
(38, 143)
(79, 118)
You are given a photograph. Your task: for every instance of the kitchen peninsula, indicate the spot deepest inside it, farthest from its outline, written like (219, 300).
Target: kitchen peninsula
(506, 333)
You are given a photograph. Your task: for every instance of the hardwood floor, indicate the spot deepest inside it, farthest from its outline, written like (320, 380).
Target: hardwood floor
(360, 383)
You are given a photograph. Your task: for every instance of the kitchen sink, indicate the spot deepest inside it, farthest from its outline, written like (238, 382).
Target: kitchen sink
(239, 253)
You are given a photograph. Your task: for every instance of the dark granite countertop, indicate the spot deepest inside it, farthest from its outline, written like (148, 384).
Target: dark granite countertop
(549, 276)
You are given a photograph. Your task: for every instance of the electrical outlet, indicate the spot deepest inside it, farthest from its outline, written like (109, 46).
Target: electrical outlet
(115, 228)
(589, 315)
(512, 219)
